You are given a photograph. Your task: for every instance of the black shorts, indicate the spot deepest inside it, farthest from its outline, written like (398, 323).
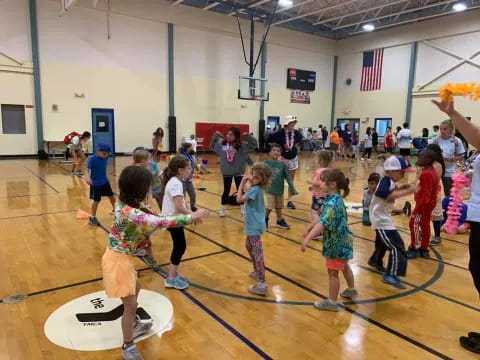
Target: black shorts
(96, 192)
(405, 152)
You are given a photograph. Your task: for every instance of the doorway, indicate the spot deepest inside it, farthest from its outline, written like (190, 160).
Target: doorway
(354, 123)
(103, 128)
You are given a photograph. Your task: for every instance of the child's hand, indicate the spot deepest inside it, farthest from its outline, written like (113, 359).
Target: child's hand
(199, 214)
(88, 181)
(447, 107)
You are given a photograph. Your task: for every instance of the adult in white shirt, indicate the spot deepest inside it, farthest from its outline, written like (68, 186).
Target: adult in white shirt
(404, 141)
(453, 151)
(471, 133)
(193, 141)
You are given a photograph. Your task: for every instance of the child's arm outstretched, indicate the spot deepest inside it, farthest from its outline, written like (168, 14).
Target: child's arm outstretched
(405, 190)
(142, 218)
(314, 229)
(241, 196)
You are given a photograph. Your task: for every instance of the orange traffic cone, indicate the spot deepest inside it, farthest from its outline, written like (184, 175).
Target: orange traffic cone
(82, 214)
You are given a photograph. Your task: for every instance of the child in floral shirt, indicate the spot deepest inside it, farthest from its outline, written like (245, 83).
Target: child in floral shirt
(128, 236)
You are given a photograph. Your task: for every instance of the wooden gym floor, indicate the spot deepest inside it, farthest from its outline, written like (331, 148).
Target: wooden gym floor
(50, 255)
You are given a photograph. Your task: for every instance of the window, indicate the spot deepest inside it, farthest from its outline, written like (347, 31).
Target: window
(381, 125)
(13, 119)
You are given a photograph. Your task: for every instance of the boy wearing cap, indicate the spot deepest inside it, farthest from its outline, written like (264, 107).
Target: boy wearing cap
(288, 138)
(96, 176)
(387, 235)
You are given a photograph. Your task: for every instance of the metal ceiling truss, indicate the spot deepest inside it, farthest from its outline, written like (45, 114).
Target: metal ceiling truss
(335, 19)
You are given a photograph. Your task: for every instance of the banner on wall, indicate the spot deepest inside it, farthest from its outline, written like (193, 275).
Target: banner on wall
(300, 96)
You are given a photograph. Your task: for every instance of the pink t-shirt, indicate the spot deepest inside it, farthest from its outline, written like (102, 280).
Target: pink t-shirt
(316, 179)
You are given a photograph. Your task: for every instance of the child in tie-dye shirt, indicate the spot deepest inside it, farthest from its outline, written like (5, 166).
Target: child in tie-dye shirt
(128, 236)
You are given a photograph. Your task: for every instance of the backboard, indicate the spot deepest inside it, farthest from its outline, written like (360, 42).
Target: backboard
(250, 88)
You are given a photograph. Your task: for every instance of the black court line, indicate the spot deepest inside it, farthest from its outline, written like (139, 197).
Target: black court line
(217, 318)
(40, 292)
(43, 180)
(345, 307)
(21, 196)
(42, 214)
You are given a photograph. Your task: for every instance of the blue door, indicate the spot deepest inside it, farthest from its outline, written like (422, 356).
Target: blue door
(103, 128)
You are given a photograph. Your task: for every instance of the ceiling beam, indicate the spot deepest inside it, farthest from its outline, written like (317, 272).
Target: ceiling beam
(212, 5)
(396, 13)
(417, 19)
(314, 12)
(359, 12)
(176, 2)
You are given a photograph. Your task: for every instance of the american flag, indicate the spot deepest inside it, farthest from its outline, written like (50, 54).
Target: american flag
(372, 70)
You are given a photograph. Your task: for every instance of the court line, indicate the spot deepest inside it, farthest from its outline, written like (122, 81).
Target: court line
(43, 180)
(352, 311)
(42, 214)
(422, 287)
(44, 291)
(217, 318)
(20, 196)
(354, 223)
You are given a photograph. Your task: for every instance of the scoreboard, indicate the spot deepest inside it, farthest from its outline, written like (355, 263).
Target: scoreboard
(301, 79)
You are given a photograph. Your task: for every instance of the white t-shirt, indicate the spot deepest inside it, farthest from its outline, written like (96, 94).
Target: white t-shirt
(473, 212)
(450, 147)
(194, 144)
(404, 138)
(380, 208)
(368, 141)
(174, 188)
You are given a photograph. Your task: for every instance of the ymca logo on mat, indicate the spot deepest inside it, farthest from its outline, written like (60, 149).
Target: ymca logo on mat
(92, 322)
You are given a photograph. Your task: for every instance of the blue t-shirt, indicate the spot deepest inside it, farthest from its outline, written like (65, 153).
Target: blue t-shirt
(255, 212)
(98, 170)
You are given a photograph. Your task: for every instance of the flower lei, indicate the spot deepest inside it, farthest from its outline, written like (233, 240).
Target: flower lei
(468, 90)
(454, 211)
(289, 140)
(230, 152)
(460, 181)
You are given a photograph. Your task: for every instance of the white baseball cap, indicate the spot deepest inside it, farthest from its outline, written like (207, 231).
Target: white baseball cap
(289, 119)
(395, 163)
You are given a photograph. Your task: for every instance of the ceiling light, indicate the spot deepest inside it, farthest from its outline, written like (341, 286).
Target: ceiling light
(368, 27)
(459, 7)
(285, 3)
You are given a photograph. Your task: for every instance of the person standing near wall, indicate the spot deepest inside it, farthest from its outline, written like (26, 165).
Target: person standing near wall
(324, 137)
(471, 133)
(404, 139)
(288, 138)
(453, 151)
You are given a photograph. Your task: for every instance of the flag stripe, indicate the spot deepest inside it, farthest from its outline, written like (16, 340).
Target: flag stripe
(371, 78)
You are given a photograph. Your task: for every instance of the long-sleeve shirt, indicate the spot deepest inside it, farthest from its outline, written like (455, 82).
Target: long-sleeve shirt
(280, 174)
(426, 195)
(280, 138)
(237, 166)
(132, 227)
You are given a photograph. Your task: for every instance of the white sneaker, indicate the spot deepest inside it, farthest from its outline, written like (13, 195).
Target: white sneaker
(131, 353)
(141, 328)
(223, 211)
(362, 159)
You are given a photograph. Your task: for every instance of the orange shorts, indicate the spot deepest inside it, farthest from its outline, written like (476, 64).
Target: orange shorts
(336, 264)
(119, 275)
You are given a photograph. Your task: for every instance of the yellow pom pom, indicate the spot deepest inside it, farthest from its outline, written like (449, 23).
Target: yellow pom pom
(468, 90)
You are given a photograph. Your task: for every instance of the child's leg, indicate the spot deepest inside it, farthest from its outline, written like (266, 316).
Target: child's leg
(397, 262)
(129, 315)
(255, 242)
(279, 214)
(348, 275)
(267, 212)
(333, 284)
(415, 230)
(179, 247)
(94, 207)
(426, 232)
(191, 193)
(227, 185)
(292, 174)
(380, 249)
(248, 246)
(112, 201)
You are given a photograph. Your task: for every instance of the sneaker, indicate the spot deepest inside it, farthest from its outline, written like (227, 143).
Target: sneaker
(223, 211)
(326, 304)
(393, 280)
(362, 159)
(258, 289)
(349, 293)
(282, 224)
(194, 208)
(92, 220)
(291, 205)
(412, 253)
(266, 222)
(407, 209)
(379, 267)
(176, 283)
(131, 353)
(141, 328)
(424, 254)
(436, 240)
